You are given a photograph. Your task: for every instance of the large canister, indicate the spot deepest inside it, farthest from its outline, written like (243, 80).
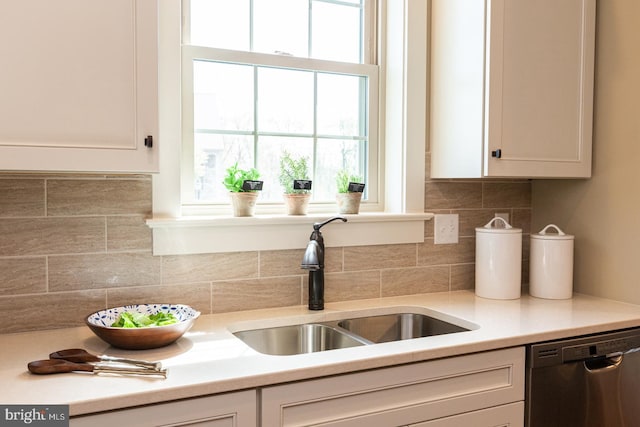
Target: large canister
(498, 260)
(551, 264)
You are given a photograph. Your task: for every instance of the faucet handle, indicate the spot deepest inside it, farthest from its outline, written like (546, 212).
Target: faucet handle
(318, 225)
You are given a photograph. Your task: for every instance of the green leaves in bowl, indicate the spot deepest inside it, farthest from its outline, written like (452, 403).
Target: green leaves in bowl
(141, 320)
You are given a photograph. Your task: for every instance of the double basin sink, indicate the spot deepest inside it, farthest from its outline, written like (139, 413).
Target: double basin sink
(344, 333)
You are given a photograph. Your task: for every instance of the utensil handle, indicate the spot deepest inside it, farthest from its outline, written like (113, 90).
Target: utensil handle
(52, 366)
(143, 363)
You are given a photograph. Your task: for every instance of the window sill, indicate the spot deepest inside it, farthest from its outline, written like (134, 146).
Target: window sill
(192, 235)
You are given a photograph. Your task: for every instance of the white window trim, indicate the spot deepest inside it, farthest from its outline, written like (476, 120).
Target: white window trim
(404, 94)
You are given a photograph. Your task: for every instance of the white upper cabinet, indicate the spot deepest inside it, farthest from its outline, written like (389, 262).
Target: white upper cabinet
(511, 88)
(79, 85)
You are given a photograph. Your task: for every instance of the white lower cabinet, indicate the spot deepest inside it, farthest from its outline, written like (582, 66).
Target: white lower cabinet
(483, 389)
(480, 390)
(236, 409)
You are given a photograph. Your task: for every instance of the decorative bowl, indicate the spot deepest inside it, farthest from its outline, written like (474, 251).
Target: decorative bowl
(141, 338)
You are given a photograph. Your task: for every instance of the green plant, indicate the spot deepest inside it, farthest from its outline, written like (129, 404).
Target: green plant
(236, 176)
(292, 169)
(343, 178)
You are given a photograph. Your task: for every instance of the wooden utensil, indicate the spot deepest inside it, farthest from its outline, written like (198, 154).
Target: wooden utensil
(58, 366)
(79, 355)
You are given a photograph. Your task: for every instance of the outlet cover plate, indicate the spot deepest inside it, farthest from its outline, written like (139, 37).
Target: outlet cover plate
(445, 229)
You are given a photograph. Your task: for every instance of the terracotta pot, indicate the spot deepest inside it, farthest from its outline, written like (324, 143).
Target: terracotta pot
(244, 203)
(297, 204)
(348, 203)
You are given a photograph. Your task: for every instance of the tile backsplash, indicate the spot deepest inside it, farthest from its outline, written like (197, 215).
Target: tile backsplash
(74, 244)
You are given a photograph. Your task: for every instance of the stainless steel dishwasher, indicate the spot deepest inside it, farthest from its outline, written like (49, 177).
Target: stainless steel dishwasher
(591, 381)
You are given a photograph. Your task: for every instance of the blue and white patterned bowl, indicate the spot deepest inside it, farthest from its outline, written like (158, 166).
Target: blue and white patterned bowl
(141, 338)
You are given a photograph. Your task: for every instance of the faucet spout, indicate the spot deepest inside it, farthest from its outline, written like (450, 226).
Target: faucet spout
(312, 255)
(313, 260)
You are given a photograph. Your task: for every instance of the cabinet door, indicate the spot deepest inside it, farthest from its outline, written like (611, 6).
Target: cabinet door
(226, 410)
(79, 85)
(400, 395)
(540, 88)
(511, 88)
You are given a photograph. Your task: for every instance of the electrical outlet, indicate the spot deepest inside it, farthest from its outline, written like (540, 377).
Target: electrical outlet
(445, 229)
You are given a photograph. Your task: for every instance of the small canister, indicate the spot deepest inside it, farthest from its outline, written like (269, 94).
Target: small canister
(551, 264)
(498, 260)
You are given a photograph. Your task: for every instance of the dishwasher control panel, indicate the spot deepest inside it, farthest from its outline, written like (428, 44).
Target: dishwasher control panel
(573, 349)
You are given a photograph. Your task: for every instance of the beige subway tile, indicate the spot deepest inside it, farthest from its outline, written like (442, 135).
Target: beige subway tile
(469, 219)
(463, 277)
(66, 197)
(196, 295)
(281, 263)
(23, 276)
(506, 194)
(254, 294)
(416, 280)
(288, 262)
(461, 252)
(128, 233)
(348, 286)
(41, 236)
(98, 271)
(21, 197)
(48, 311)
(208, 267)
(375, 257)
(452, 195)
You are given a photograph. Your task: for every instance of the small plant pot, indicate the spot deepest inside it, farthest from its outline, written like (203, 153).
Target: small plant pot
(297, 204)
(348, 203)
(244, 203)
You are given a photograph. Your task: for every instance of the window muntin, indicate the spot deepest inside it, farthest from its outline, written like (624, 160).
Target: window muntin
(248, 106)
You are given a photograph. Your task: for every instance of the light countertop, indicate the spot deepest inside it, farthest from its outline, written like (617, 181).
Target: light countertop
(209, 359)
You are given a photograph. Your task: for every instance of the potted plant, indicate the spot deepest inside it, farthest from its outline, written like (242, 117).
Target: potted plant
(350, 191)
(243, 186)
(294, 179)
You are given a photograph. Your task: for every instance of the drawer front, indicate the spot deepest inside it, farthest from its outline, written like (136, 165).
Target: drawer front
(400, 395)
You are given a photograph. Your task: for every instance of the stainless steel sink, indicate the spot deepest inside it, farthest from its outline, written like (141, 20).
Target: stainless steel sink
(400, 326)
(344, 333)
(298, 339)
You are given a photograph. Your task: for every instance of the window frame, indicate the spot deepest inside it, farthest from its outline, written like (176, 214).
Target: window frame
(192, 53)
(402, 25)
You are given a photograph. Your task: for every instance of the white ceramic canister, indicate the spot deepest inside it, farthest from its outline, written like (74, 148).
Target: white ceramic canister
(551, 264)
(498, 260)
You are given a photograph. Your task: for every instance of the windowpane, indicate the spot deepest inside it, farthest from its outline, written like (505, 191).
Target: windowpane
(213, 154)
(336, 32)
(340, 104)
(270, 148)
(281, 26)
(223, 96)
(334, 155)
(220, 23)
(285, 101)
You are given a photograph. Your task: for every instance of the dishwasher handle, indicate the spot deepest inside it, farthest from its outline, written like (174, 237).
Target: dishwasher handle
(603, 363)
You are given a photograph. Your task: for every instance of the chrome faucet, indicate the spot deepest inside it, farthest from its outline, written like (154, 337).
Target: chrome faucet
(313, 260)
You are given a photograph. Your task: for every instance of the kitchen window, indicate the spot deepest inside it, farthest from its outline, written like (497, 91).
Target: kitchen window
(394, 160)
(264, 77)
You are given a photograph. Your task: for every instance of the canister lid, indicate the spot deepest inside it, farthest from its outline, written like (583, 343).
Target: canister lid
(558, 235)
(491, 227)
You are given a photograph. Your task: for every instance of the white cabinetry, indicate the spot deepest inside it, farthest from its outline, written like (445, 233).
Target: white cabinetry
(484, 389)
(79, 85)
(511, 88)
(226, 410)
